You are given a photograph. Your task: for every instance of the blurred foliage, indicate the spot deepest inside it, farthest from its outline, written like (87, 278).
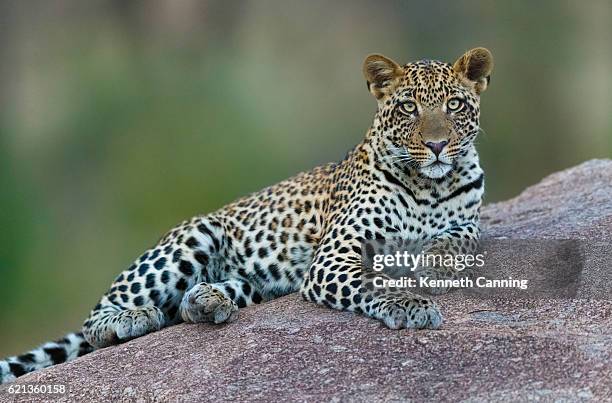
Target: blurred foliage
(119, 119)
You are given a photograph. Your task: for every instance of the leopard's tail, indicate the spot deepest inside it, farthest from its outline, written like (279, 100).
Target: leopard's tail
(73, 345)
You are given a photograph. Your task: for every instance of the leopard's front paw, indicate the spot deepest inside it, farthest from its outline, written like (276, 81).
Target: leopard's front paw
(412, 312)
(204, 303)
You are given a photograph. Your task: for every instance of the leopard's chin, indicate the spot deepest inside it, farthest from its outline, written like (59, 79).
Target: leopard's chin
(436, 170)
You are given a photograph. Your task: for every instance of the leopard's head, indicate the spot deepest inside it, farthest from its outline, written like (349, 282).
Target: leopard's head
(428, 111)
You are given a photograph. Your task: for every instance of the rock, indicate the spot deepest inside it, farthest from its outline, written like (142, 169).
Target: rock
(488, 349)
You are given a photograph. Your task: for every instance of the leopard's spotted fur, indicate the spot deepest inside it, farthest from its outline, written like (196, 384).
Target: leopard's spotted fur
(415, 176)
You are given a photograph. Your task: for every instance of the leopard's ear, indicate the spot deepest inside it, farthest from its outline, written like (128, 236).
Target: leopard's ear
(382, 75)
(475, 68)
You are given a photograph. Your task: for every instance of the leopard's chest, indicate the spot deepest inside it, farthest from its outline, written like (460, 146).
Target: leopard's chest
(417, 214)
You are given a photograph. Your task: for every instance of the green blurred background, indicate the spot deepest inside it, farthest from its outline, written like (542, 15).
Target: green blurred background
(120, 118)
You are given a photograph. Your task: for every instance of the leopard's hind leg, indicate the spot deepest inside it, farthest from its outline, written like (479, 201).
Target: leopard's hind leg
(218, 302)
(147, 296)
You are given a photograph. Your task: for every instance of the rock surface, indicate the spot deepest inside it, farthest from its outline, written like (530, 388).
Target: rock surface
(487, 349)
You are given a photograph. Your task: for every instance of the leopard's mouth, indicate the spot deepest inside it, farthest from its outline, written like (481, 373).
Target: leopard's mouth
(436, 169)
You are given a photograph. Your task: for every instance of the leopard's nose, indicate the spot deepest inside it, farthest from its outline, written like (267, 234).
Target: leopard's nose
(436, 147)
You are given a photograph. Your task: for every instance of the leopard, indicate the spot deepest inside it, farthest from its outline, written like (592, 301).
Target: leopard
(415, 175)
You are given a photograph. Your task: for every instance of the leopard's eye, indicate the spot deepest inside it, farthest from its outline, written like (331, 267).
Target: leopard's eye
(408, 108)
(454, 104)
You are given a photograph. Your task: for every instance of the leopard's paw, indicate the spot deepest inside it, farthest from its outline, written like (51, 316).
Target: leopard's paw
(204, 303)
(412, 312)
(134, 323)
(105, 330)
